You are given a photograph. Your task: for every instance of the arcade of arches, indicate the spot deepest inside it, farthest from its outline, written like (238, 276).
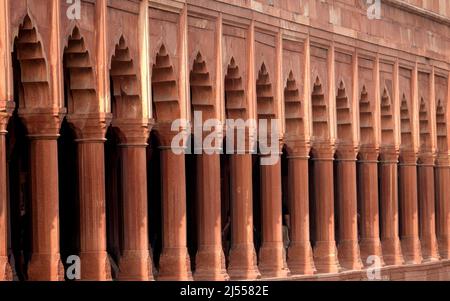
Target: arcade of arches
(86, 167)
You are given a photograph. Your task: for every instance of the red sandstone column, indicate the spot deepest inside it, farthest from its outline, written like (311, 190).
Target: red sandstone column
(91, 180)
(272, 255)
(135, 263)
(370, 243)
(174, 261)
(409, 208)
(325, 251)
(210, 260)
(348, 248)
(300, 256)
(390, 241)
(5, 268)
(242, 254)
(43, 132)
(443, 205)
(427, 208)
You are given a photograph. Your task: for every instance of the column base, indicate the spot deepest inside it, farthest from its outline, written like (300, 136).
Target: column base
(444, 247)
(370, 247)
(325, 257)
(135, 266)
(392, 251)
(5, 269)
(411, 250)
(243, 263)
(300, 259)
(272, 261)
(95, 266)
(430, 250)
(45, 267)
(175, 265)
(349, 255)
(210, 265)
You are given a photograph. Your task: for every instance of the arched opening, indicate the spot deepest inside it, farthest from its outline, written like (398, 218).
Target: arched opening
(154, 197)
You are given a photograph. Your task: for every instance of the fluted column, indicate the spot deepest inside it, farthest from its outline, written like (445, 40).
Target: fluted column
(174, 261)
(370, 243)
(243, 262)
(348, 247)
(5, 268)
(427, 207)
(90, 141)
(210, 259)
(43, 132)
(135, 263)
(443, 204)
(390, 241)
(272, 255)
(409, 208)
(325, 251)
(300, 256)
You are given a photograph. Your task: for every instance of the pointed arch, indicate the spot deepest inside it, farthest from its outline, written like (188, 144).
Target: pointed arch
(319, 112)
(235, 104)
(34, 88)
(164, 88)
(424, 125)
(343, 114)
(126, 99)
(405, 122)
(79, 76)
(294, 112)
(387, 120)
(264, 95)
(366, 117)
(441, 126)
(201, 87)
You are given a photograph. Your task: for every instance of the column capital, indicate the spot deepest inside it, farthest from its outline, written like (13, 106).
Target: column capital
(90, 127)
(298, 149)
(42, 123)
(166, 134)
(369, 152)
(428, 158)
(408, 157)
(347, 152)
(443, 160)
(6, 111)
(323, 151)
(132, 132)
(389, 155)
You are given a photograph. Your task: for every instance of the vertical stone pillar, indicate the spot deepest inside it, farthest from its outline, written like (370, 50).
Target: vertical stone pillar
(325, 251)
(409, 208)
(272, 255)
(443, 205)
(135, 263)
(427, 207)
(174, 261)
(210, 260)
(390, 241)
(300, 256)
(370, 243)
(43, 132)
(243, 262)
(348, 247)
(5, 268)
(90, 140)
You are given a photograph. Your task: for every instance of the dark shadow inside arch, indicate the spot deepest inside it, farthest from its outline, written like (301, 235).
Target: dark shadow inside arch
(312, 200)
(154, 197)
(257, 229)
(191, 204)
(286, 212)
(225, 194)
(337, 217)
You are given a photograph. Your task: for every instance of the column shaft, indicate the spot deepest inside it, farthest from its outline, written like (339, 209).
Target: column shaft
(174, 262)
(443, 207)
(272, 262)
(348, 247)
(91, 174)
(5, 268)
(427, 213)
(370, 243)
(390, 241)
(300, 256)
(409, 210)
(210, 260)
(242, 254)
(135, 263)
(325, 251)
